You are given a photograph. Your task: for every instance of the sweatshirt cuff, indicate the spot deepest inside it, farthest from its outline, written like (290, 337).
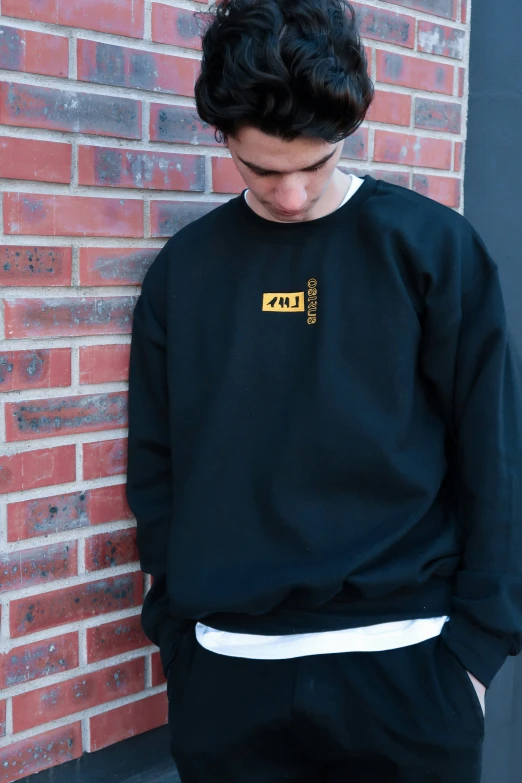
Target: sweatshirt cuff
(479, 651)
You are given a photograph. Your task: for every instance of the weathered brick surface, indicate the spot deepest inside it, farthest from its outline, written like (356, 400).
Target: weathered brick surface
(72, 604)
(438, 115)
(61, 513)
(32, 52)
(179, 124)
(175, 26)
(121, 17)
(29, 567)
(104, 363)
(39, 369)
(106, 458)
(103, 158)
(119, 168)
(439, 39)
(393, 68)
(40, 659)
(115, 266)
(37, 161)
(79, 216)
(124, 67)
(34, 266)
(32, 106)
(168, 217)
(115, 638)
(69, 316)
(65, 415)
(38, 468)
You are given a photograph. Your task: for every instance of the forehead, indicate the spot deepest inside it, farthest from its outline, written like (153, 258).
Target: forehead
(273, 153)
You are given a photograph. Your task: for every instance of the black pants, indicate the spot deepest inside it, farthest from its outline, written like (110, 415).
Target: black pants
(399, 716)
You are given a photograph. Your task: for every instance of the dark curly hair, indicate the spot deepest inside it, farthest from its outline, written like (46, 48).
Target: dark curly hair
(286, 67)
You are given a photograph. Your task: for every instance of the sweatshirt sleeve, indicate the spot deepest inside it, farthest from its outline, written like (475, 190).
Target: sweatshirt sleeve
(149, 482)
(477, 374)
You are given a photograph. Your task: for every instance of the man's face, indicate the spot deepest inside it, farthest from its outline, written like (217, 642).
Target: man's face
(287, 178)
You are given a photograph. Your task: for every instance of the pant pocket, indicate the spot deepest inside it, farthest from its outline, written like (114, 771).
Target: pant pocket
(180, 668)
(464, 683)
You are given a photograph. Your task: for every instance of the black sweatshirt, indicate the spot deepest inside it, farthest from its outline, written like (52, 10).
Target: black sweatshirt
(326, 428)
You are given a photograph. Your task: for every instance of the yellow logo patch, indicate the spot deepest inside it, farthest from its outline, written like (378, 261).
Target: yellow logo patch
(284, 303)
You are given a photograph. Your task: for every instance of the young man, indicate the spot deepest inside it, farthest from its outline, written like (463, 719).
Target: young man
(325, 441)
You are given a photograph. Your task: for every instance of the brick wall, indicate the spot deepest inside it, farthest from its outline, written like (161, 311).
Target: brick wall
(102, 159)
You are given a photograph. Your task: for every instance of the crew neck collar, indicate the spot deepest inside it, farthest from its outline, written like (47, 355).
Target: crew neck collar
(297, 232)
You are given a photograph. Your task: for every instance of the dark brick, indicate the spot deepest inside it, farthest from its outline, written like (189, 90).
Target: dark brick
(34, 266)
(114, 266)
(69, 316)
(439, 39)
(40, 369)
(438, 115)
(356, 145)
(34, 613)
(108, 550)
(168, 217)
(175, 26)
(180, 125)
(28, 106)
(49, 749)
(123, 67)
(65, 415)
(383, 25)
(28, 567)
(33, 52)
(136, 169)
(445, 8)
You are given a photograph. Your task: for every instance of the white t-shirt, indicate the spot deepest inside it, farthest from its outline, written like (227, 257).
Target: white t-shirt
(372, 638)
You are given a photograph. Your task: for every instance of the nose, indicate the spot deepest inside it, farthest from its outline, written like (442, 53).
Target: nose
(291, 197)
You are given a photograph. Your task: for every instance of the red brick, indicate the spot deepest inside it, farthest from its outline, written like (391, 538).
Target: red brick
(127, 721)
(120, 66)
(63, 513)
(39, 659)
(438, 115)
(443, 189)
(225, 176)
(35, 613)
(168, 217)
(38, 161)
(120, 168)
(356, 145)
(107, 550)
(32, 52)
(35, 369)
(41, 468)
(120, 17)
(445, 8)
(115, 638)
(115, 266)
(65, 415)
(104, 363)
(29, 106)
(380, 24)
(369, 58)
(105, 458)
(63, 317)
(180, 125)
(462, 76)
(401, 178)
(412, 150)
(34, 754)
(175, 26)
(393, 68)
(459, 152)
(439, 39)
(28, 567)
(464, 12)
(72, 216)
(391, 107)
(35, 266)
(84, 692)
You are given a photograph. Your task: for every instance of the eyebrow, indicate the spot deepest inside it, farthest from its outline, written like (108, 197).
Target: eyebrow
(269, 171)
